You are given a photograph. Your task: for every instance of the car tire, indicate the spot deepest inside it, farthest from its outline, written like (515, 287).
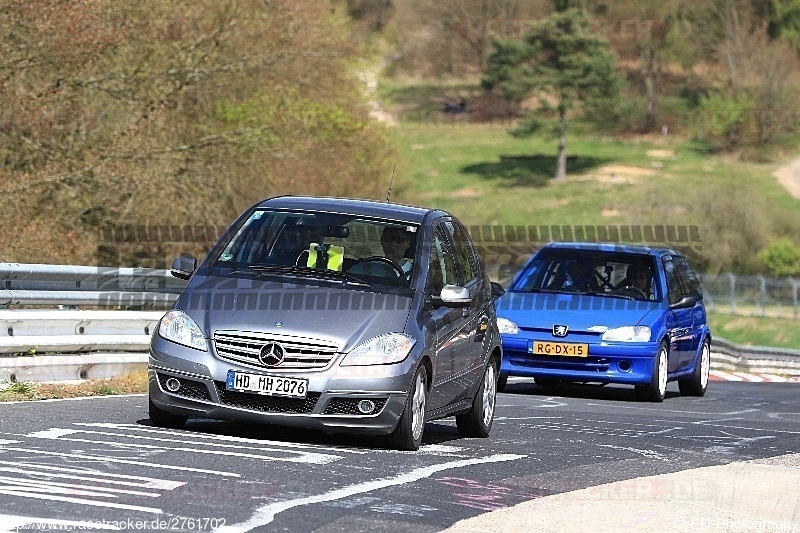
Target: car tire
(163, 419)
(502, 382)
(656, 390)
(477, 422)
(408, 433)
(698, 383)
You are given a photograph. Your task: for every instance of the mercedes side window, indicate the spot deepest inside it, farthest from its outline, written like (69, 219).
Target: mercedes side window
(467, 259)
(442, 269)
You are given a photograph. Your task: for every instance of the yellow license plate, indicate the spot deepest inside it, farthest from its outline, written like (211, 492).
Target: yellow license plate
(559, 348)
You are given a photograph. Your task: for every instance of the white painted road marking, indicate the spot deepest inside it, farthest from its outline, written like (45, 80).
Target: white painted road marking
(774, 378)
(646, 453)
(266, 514)
(12, 523)
(103, 459)
(761, 377)
(94, 503)
(442, 450)
(19, 483)
(749, 377)
(527, 418)
(724, 376)
(743, 411)
(97, 476)
(226, 438)
(39, 482)
(292, 456)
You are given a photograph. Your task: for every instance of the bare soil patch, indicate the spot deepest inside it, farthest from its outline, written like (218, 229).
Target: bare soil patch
(618, 174)
(789, 177)
(661, 154)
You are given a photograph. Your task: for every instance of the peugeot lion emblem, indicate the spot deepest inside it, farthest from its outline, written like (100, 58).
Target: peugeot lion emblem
(560, 330)
(272, 354)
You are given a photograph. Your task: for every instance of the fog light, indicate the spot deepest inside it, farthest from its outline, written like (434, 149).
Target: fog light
(173, 385)
(625, 366)
(366, 406)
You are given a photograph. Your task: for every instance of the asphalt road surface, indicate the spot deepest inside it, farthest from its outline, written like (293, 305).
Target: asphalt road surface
(98, 464)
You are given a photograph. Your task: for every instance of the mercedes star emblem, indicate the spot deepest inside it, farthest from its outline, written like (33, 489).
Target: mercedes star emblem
(272, 354)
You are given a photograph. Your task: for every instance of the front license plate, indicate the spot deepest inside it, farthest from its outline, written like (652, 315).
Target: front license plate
(269, 385)
(558, 348)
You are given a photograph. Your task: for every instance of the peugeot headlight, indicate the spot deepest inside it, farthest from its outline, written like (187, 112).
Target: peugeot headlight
(628, 334)
(381, 350)
(180, 328)
(507, 326)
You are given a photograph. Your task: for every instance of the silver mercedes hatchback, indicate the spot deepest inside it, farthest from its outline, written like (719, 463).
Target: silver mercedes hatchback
(334, 314)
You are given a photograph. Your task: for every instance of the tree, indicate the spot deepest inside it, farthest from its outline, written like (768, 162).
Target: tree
(752, 103)
(651, 34)
(782, 19)
(162, 112)
(563, 65)
(374, 13)
(455, 37)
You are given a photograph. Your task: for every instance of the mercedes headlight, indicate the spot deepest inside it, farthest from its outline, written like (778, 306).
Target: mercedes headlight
(507, 326)
(628, 334)
(381, 350)
(180, 328)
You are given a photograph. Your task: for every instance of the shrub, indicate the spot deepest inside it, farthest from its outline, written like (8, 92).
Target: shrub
(724, 118)
(781, 257)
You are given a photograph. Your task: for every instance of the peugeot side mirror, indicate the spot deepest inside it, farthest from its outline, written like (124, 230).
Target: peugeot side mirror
(687, 302)
(183, 267)
(497, 290)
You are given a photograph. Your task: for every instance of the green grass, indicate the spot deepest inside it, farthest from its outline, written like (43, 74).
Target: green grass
(485, 176)
(756, 331)
(18, 391)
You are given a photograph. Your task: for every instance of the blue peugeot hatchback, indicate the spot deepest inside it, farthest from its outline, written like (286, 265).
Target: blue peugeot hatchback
(606, 313)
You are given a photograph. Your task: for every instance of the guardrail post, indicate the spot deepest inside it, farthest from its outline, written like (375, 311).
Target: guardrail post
(732, 280)
(794, 295)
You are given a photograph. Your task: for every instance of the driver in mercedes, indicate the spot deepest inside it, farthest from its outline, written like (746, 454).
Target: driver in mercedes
(395, 241)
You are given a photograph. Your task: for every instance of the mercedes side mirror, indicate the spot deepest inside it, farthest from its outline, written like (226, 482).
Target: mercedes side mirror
(453, 296)
(183, 267)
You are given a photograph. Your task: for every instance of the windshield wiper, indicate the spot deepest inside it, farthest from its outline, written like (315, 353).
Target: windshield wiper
(548, 291)
(607, 295)
(311, 272)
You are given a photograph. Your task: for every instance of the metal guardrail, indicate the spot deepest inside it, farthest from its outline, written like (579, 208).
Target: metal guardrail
(754, 359)
(26, 331)
(99, 343)
(72, 285)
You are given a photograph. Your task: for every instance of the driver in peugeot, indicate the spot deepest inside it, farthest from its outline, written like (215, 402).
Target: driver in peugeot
(638, 277)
